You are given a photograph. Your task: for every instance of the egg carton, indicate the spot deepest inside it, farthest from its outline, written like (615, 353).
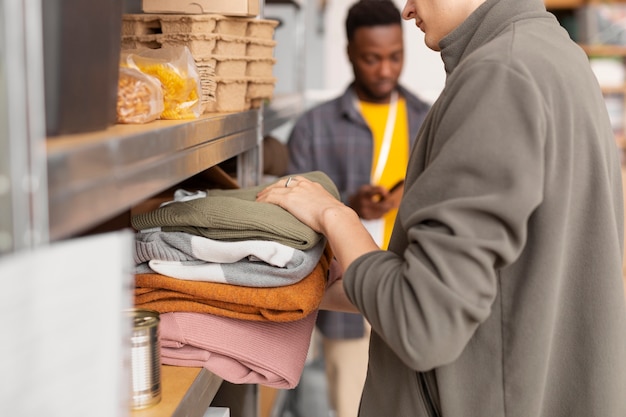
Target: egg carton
(205, 45)
(230, 96)
(208, 86)
(177, 24)
(234, 94)
(237, 66)
(260, 88)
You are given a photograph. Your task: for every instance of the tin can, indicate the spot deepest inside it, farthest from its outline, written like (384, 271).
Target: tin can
(145, 358)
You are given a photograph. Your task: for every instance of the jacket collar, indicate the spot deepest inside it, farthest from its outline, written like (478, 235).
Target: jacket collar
(347, 101)
(485, 23)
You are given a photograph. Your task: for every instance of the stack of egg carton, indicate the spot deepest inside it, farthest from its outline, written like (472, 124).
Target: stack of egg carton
(234, 55)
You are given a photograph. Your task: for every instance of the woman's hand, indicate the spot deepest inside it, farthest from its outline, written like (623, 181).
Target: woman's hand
(310, 203)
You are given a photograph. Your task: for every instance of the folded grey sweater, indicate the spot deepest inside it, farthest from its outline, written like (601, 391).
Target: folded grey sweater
(253, 263)
(235, 215)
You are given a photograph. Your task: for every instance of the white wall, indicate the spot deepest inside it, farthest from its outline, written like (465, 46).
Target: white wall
(423, 70)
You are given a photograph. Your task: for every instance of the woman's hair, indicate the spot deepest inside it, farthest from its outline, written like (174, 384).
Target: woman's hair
(366, 13)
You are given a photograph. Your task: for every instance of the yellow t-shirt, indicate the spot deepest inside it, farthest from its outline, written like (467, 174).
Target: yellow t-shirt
(375, 115)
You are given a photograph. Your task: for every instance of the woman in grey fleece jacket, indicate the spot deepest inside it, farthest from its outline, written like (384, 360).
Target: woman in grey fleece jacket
(501, 293)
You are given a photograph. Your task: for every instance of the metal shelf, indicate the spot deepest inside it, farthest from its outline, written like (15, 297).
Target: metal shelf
(603, 50)
(563, 4)
(93, 177)
(186, 392)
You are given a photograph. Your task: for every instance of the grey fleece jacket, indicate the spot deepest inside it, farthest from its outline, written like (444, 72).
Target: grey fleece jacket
(501, 293)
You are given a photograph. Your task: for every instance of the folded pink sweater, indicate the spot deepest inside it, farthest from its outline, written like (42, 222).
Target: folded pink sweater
(238, 351)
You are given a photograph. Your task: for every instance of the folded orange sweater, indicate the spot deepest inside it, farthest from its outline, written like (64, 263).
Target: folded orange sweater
(279, 304)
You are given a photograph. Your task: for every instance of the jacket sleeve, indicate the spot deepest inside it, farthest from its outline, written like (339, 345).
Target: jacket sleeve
(463, 218)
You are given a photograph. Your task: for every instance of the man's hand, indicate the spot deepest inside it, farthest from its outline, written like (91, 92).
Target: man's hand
(373, 201)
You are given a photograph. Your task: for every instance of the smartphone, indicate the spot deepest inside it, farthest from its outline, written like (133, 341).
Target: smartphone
(396, 185)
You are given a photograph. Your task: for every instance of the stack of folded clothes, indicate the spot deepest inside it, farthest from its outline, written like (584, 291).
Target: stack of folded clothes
(237, 282)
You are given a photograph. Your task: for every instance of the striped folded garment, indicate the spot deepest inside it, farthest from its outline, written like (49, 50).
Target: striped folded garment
(253, 263)
(280, 304)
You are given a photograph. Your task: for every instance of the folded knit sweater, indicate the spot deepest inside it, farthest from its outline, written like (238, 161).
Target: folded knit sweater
(235, 215)
(253, 263)
(280, 304)
(239, 351)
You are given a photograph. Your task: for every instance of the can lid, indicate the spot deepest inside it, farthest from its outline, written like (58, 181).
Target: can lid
(147, 321)
(143, 317)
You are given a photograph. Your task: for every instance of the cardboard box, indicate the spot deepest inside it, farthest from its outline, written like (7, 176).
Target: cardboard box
(225, 7)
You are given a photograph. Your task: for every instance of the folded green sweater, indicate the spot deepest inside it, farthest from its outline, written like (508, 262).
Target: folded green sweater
(235, 215)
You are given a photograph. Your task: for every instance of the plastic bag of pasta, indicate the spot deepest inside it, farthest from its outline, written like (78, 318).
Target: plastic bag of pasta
(176, 69)
(139, 97)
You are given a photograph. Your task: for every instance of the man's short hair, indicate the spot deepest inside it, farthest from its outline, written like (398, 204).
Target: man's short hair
(366, 13)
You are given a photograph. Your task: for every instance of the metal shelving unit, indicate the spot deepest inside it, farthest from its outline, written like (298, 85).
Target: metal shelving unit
(563, 4)
(52, 189)
(619, 91)
(189, 391)
(55, 187)
(23, 194)
(92, 177)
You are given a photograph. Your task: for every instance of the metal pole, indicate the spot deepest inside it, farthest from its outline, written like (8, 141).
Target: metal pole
(23, 160)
